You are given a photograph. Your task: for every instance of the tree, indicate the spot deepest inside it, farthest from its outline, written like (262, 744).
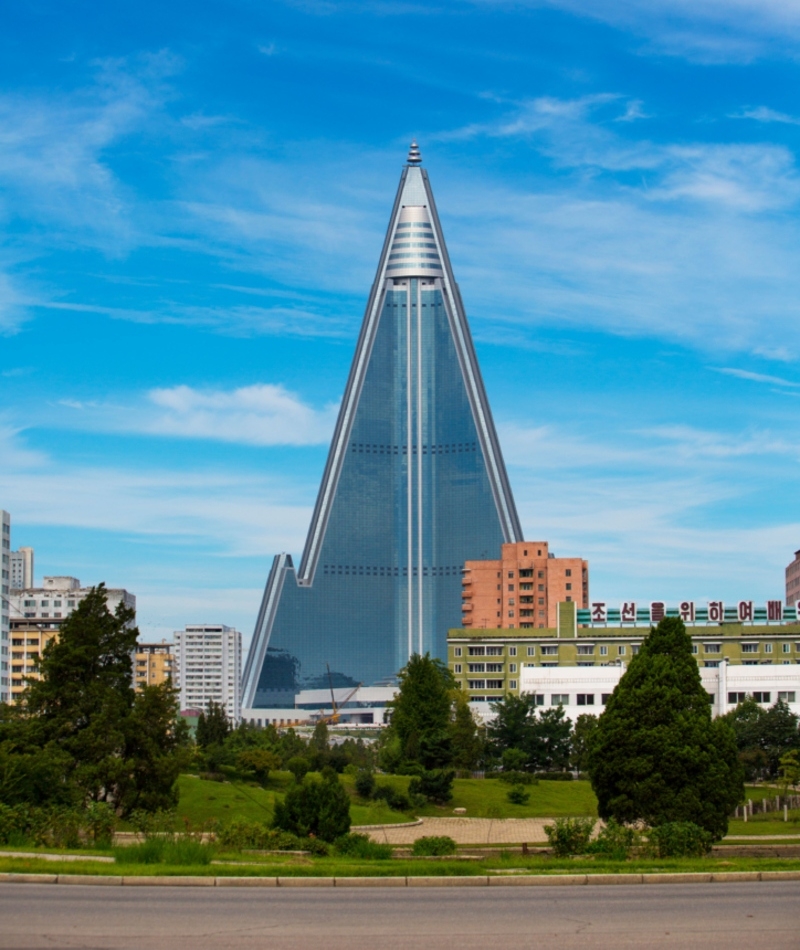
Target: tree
(656, 755)
(582, 732)
(258, 761)
(789, 775)
(550, 740)
(315, 807)
(80, 733)
(513, 724)
(213, 726)
(465, 739)
(420, 713)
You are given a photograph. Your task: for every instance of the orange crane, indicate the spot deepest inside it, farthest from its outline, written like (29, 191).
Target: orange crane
(333, 719)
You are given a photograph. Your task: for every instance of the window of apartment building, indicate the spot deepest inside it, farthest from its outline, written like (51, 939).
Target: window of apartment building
(695, 648)
(559, 699)
(541, 601)
(621, 649)
(510, 573)
(526, 572)
(512, 602)
(512, 667)
(457, 668)
(603, 651)
(749, 648)
(499, 586)
(786, 648)
(527, 626)
(56, 603)
(477, 699)
(541, 587)
(635, 648)
(511, 613)
(476, 651)
(586, 699)
(788, 696)
(768, 648)
(711, 698)
(512, 651)
(512, 684)
(494, 651)
(476, 684)
(511, 588)
(569, 586)
(712, 647)
(540, 574)
(494, 684)
(457, 651)
(70, 603)
(549, 651)
(492, 668)
(585, 649)
(531, 651)
(30, 603)
(526, 586)
(604, 698)
(762, 697)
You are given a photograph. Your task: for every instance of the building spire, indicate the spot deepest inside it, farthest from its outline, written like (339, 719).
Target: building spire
(414, 156)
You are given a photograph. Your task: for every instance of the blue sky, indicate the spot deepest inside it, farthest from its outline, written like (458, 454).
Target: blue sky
(192, 202)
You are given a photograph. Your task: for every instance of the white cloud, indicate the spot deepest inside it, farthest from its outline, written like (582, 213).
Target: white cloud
(757, 377)
(263, 414)
(765, 114)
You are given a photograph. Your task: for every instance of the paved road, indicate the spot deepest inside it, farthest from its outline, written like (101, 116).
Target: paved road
(759, 916)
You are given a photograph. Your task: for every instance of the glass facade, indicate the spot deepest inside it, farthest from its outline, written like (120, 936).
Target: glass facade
(414, 487)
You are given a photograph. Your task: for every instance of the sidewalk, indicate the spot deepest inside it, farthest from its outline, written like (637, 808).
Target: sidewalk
(465, 830)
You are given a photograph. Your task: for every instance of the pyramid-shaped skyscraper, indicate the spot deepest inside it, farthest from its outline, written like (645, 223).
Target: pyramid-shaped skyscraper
(414, 484)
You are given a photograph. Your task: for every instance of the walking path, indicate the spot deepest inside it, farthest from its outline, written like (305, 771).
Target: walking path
(465, 830)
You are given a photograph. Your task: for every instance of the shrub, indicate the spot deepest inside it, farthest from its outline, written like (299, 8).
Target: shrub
(299, 766)
(433, 845)
(517, 795)
(240, 835)
(183, 851)
(393, 798)
(555, 776)
(315, 808)
(518, 778)
(615, 841)
(569, 835)
(679, 839)
(365, 783)
(362, 846)
(514, 760)
(436, 785)
(101, 823)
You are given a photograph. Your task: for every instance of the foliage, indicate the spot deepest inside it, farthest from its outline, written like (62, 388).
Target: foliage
(315, 807)
(362, 846)
(258, 761)
(583, 729)
(81, 734)
(180, 850)
(789, 771)
(569, 835)
(535, 740)
(433, 846)
(615, 840)
(299, 766)
(57, 826)
(213, 726)
(763, 736)
(656, 754)
(239, 835)
(554, 776)
(679, 839)
(420, 714)
(465, 738)
(365, 783)
(518, 795)
(518, 778)
(436, 785)
(394, 798)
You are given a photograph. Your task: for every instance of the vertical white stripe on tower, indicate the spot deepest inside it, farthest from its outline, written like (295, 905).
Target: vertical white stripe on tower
(409, 476)
(420, 547)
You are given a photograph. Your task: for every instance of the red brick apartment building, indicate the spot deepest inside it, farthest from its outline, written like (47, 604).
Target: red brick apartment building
(523, 588)
(793, 581)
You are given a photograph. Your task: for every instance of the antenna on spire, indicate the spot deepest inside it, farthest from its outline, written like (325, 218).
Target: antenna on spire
(414, 156)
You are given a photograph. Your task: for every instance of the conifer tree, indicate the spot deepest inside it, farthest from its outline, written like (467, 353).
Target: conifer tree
(420, 712)
(656, 755)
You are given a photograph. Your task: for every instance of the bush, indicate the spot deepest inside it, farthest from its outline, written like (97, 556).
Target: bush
(435, 785)
(183, 851)
(433, 845)
(315, 808)
(569, 835)
(518, 778)
(555, 776)
(365, 783)
(101, 823)
(615, 840)
(517, 795)
(362, 846)
(394, 799)
(679, 839)
(299, 766)
(241, 835)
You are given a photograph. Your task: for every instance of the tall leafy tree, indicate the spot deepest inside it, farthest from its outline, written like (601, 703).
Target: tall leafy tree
(213, 725)
(465, 739)
(419, 722)
(656, 755)
(512, 726)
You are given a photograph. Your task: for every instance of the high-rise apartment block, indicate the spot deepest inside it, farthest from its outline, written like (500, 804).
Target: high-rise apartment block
(414, 484)
(523, 588)
(208, 667)
(5, 591)
(154, 664)
(793, 581)
(22, 569)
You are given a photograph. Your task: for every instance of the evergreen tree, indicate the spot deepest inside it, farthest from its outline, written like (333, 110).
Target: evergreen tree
(213, 726)
(315, 807)
(420, 713)
(656, 755)
(466, 741)
(512, 727)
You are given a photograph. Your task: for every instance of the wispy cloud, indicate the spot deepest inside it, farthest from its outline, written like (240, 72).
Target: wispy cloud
(263, 414)
(757, 377)
(765, 114)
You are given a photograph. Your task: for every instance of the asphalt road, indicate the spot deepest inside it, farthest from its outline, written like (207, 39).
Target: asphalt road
(724, 916)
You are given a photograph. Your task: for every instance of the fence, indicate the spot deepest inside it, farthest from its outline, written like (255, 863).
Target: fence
(780, 803)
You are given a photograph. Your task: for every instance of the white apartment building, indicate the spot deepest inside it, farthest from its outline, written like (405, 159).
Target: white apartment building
(22, 569)
(5, 591)
(49, 605)
(208, 666)
(587, 689)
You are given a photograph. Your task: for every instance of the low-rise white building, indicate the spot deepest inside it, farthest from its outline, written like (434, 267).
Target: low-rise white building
(49, 605)
(208, 667)
(587, 689)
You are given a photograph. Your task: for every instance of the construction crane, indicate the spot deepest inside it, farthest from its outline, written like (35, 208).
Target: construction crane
(333, 719)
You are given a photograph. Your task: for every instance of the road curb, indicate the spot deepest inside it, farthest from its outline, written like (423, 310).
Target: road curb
(521, 880)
